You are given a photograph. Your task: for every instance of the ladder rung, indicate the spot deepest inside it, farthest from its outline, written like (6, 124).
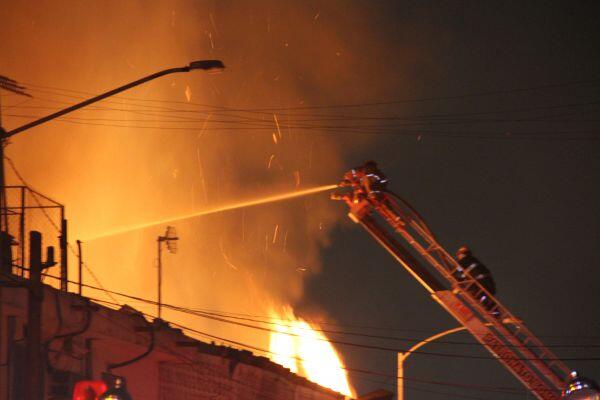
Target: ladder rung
(470, 283)
(432, 248)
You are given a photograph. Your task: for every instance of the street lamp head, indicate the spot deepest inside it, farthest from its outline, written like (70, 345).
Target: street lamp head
(207, 65)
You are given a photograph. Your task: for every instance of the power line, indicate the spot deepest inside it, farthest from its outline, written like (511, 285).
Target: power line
(504, 390)
(248, 123)
(408, 386)
(55, 226)
(370, 104)
(493, 135)
(402, 121)
(244, 345)
(351, 344)
(186, 359)
(371, 336)
(286, 112)
(483, 388)
(218, 109)
(361, 345)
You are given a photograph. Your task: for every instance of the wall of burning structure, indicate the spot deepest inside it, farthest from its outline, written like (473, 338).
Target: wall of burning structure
(82, 340)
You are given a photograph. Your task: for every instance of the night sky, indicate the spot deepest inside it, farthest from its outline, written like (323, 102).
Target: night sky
(491, 132)
(527, 208)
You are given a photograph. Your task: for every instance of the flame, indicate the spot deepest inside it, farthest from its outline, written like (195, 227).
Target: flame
(300, 347)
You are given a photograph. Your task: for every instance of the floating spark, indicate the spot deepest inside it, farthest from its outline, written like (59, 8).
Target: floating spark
(275, 234)
(277, 125)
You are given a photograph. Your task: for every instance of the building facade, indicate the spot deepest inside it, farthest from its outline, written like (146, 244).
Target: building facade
(82, 340)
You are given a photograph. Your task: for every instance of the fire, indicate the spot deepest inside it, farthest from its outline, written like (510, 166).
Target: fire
(303, 349)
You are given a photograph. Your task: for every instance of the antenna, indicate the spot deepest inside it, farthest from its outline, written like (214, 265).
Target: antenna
(170, 238)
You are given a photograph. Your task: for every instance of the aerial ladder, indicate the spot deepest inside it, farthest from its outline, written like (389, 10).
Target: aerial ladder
(388, 218)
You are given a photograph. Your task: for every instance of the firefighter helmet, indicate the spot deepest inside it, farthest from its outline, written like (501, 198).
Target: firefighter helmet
(463, 252)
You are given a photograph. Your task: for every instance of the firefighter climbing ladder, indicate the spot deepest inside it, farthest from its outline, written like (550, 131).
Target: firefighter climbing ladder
(495, 327)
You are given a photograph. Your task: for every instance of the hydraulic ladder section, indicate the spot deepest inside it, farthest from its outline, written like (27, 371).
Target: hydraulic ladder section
(386, 216)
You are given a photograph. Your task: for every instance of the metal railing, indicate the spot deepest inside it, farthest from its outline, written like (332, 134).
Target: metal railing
(28, 210)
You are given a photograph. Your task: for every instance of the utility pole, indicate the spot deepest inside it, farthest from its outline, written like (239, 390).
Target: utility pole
(170, 238)
(79, 267)
(5, 251)
(159, 241)
(64, 254)
(33, 389)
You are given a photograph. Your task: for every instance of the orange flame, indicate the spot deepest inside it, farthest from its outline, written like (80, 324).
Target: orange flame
(300, 347)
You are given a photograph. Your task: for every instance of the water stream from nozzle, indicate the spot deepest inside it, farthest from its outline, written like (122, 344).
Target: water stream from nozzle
(218, 209)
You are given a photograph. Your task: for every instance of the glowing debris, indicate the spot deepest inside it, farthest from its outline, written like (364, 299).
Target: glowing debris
(277, 125)
(270, 161)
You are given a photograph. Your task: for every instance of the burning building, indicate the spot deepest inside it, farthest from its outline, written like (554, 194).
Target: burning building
(82, 340)
(116, 175)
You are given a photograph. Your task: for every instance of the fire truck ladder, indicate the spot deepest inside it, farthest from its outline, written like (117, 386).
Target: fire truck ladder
(492, 324)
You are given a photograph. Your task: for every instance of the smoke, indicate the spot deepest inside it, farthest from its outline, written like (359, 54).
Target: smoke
(147, 169)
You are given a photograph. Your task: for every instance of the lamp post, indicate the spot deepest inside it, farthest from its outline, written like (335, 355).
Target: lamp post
(578, 388)
(8, 84)
(5, 83)
(403, 356)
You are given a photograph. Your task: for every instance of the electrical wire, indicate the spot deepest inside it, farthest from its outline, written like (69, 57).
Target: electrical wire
(368, 372)
(580, 135)
(190, 361)
(54, 225)
(484, 388)
(369, 104)
(431, 119)
(370, 336)
(344, 343)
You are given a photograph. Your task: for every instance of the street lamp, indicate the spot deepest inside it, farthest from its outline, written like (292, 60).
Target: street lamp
(403, 356)
(8, 84)
(578, 388)
(170, 239)
(205, 65)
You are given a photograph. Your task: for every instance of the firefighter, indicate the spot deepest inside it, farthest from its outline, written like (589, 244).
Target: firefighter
(476, 270)
(118, 391)
(373, 180)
